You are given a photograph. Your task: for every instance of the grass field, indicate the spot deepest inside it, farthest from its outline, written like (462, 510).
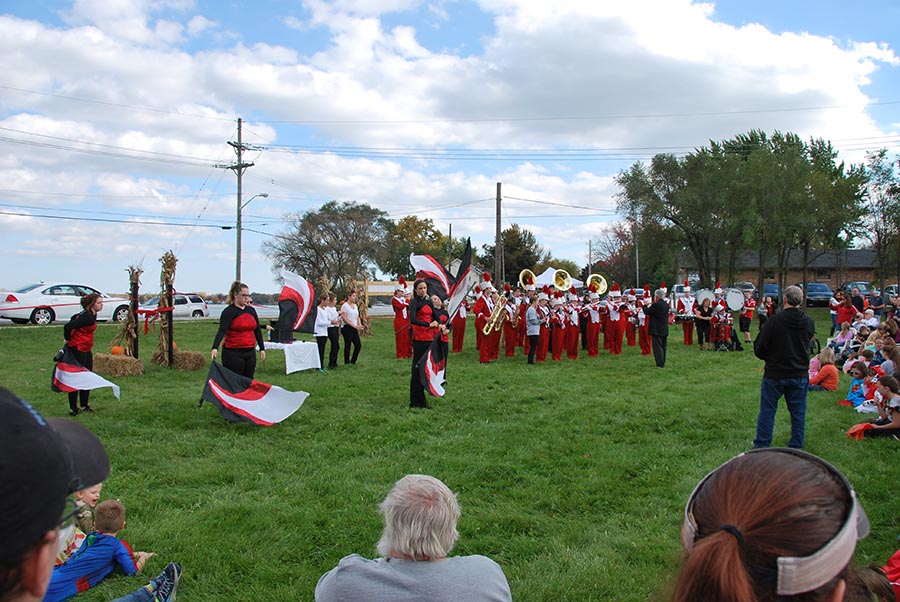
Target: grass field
(572, 475)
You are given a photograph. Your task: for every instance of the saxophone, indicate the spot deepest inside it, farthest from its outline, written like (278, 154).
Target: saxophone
(495, 322)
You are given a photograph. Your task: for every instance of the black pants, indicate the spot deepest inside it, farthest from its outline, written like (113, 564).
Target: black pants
(86, 359)
(241, 361)
(703, 332)
(320, 343)
(334, 337)
(351, 337)
(659, 350)
(532, 346)
(416, 390)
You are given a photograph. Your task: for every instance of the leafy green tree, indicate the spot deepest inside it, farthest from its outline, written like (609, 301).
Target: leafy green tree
(882, 205)
(341, 241)
(411, 235)
(520, 250)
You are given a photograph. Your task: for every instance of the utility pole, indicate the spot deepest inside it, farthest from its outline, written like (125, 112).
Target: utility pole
(498, 243)
(238, 168)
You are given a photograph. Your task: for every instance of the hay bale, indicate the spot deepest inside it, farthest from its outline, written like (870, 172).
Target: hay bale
(182, 360)
(117, 365)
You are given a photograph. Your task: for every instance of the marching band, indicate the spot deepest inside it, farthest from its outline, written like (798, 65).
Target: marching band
(569, 320)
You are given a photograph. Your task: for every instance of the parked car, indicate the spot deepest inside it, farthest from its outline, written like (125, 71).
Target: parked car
(864, 289)
(818, 294)
(48, 301)
(187, 305)
(890, 291)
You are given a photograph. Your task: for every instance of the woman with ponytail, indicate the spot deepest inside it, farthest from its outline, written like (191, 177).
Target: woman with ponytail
(771, 524)
(239, 329)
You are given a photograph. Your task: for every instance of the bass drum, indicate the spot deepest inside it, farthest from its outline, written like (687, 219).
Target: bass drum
(705, 294)
(734, 299)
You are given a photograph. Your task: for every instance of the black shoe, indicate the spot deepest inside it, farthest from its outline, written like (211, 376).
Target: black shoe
(88, 409)
(73, 412)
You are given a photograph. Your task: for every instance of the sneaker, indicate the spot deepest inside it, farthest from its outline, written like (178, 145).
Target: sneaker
(73, 412)
(88, 409)
(167, 583)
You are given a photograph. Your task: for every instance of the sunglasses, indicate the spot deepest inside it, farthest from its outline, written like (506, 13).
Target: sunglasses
(797, 575)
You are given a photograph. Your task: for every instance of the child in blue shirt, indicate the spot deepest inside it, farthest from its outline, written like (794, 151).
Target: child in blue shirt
(857, 394)
(97, 557)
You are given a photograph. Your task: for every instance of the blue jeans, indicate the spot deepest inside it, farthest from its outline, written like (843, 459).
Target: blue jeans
(794, 392)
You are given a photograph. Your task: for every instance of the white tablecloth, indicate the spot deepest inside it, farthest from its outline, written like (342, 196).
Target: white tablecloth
(298, 355)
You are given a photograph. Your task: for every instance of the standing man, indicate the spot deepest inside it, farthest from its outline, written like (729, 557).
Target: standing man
(857, 300)
(684, 313)
(876, 303)
(658, 314)
(783, 343)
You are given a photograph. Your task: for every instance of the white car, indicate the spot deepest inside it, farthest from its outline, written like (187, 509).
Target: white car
(187, 305)
(48, 301)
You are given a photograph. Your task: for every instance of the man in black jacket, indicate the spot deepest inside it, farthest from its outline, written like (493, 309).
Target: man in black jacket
(658, 314)
(783, 343)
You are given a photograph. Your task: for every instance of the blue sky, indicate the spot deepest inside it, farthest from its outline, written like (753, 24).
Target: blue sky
(115, 113)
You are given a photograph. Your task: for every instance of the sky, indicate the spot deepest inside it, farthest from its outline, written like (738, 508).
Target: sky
(116, 116)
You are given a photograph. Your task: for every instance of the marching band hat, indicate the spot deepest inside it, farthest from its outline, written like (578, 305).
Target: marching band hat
(543, 296)
(687, 286)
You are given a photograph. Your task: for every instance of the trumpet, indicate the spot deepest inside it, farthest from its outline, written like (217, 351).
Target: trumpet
(598, 281)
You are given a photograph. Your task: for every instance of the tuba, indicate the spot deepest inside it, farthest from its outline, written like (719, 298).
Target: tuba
(561, 280)
(598, 281)
(526, 278)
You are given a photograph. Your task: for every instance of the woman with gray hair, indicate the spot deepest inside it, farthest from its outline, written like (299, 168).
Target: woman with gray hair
(420, 516)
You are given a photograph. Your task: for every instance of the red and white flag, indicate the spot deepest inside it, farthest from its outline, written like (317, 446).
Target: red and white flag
(300, 291)
(431, 368)
(241, 399)
(69, 375)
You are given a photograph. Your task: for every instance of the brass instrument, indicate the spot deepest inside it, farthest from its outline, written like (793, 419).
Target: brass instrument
(598, 281)
(561, 280)
(527, 277)
(498, 316)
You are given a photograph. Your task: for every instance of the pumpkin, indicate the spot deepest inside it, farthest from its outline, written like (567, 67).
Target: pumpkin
(117, 350)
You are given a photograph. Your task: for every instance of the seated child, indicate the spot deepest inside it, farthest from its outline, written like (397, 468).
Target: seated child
(888, 422)
(71, 537)
(857, 395)
(97, 557)
(865, 356)
(826, 378)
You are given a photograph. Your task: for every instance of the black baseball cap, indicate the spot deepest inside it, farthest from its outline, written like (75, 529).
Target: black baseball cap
(42, 461)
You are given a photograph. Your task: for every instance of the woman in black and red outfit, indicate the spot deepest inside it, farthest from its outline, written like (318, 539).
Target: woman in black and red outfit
(239, 326)
(424, 321)
(79, 334)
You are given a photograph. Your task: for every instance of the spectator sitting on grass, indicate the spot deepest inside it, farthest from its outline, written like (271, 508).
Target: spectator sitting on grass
(71, 538)
(888, 422)
(826, 378)
(750, 537)
(420, 516)
(98, 556)
(42, 462)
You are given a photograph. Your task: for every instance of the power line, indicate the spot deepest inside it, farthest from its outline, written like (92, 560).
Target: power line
(116, 221)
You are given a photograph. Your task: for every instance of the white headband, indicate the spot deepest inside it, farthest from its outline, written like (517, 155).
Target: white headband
(799, 574)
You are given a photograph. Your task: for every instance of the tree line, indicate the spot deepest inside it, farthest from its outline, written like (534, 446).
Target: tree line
(769, 195)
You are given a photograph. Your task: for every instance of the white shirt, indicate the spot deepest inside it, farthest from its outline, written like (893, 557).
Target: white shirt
(350, 314)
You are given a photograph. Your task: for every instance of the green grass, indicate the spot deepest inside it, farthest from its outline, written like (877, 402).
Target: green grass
(571, 475)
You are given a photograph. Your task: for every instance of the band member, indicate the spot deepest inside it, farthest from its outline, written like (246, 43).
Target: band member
(481, 315)
(400, 305)
(557, 326)
(643, 322)
(573, 326)
(747, 315)
(544, 336)
(617, 310)
(489, 299)
(668, 301)
(631, 322)
(593, 326)
(511, 324)
(684, 313)
(722, 318)
(584, 320)
(521, 306)
(458, 326)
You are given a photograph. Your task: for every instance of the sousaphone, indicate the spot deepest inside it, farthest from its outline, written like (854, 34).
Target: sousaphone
(598, 281)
